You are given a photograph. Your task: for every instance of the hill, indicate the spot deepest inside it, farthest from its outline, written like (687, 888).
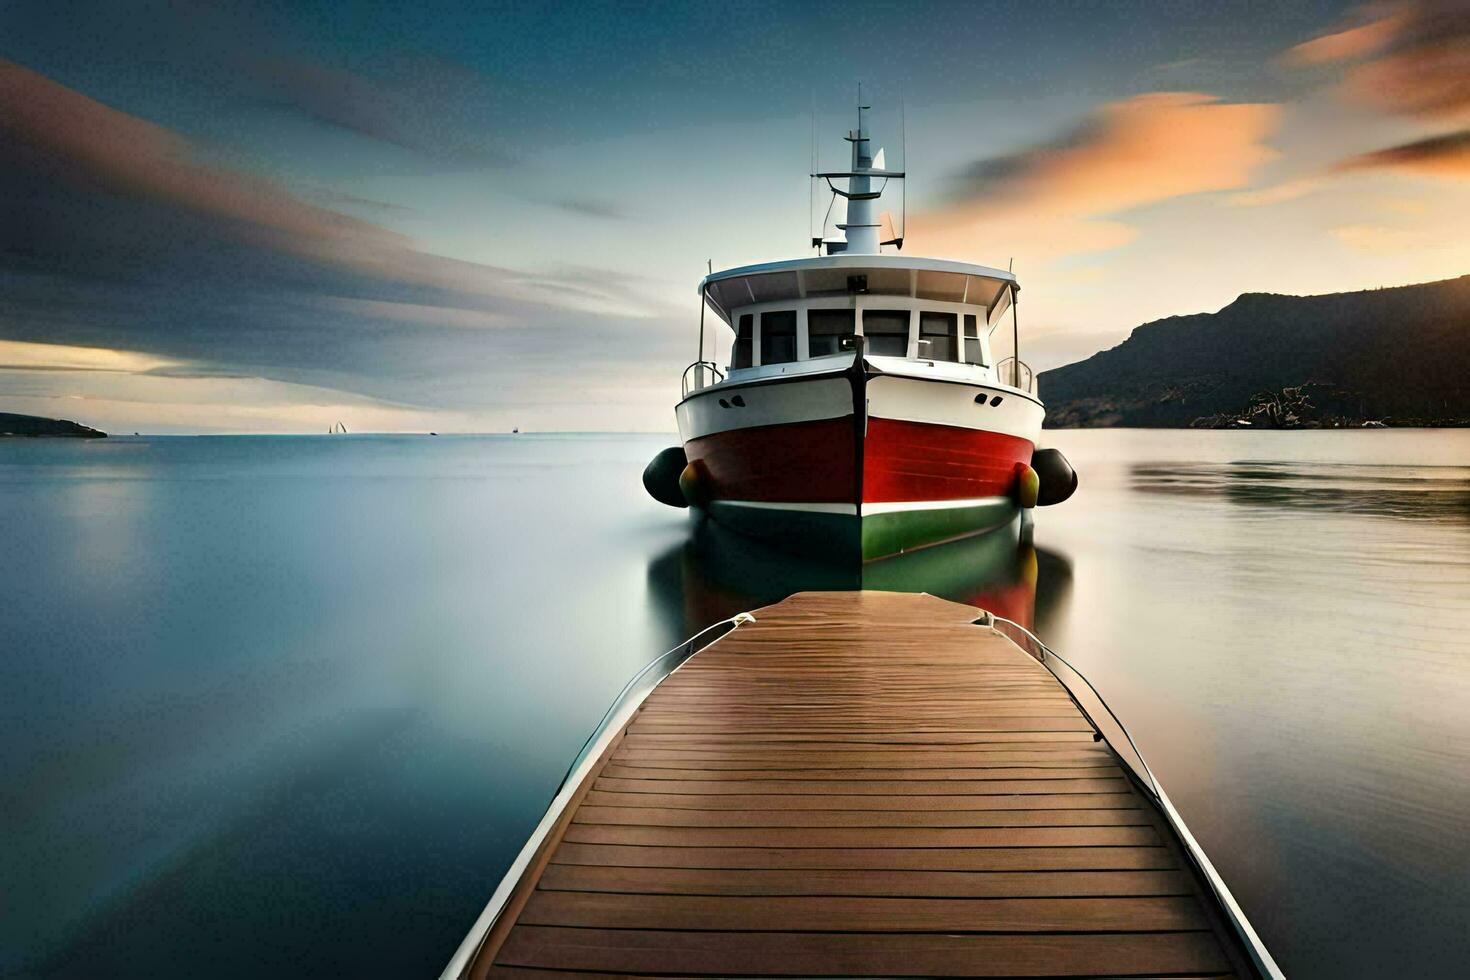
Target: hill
(34, 425)
(1399, 355)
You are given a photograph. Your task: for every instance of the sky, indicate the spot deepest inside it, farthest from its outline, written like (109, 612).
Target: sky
(236, 217)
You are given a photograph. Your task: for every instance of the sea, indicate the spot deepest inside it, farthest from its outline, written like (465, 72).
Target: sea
(289, 706)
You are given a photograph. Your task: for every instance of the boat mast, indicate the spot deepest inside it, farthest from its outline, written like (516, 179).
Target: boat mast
(863, 227)
(862, 224)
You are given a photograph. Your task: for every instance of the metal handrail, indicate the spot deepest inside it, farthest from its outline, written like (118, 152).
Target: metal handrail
(1018, 370)
(709, 366)
(613, 718)
(1261, 958)
(687, 648)
(1046, 651)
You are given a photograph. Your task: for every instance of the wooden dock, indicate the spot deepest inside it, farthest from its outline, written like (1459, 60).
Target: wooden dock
(859, 783)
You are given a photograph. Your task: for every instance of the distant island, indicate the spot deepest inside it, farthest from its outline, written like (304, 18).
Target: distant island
(33, 426)
(1395, 356)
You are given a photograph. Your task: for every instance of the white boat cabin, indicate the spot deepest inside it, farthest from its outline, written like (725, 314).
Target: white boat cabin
(932, 313)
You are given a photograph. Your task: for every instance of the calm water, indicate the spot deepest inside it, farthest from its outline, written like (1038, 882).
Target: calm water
(289, 706)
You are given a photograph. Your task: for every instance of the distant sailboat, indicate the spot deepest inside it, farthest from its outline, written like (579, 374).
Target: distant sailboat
(337, 429)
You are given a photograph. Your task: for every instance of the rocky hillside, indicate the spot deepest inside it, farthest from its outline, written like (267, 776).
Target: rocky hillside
(1398, 355)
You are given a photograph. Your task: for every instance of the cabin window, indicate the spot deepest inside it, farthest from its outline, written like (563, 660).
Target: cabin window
(740, 353)
(778, 337)
(937, 336)
(825, 330)
(973, 353)
(887, 332)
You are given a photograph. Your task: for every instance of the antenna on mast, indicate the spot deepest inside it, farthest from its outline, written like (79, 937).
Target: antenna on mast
(903, 161)
(811, 186)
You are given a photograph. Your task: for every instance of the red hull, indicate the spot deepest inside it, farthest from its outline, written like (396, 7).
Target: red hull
(919, 461)
(817, 462)
(812, 462)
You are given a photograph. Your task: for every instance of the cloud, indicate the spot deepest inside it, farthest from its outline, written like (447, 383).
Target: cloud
(1421, 63)
(1352, 42)
(59, 134)
(416, 114)
(1278, 193)
(1408, 59)
(339, 98)
(20, 356)
(1443, 156)
(589, 208)
(179, 400)
(115, 235)
(1427, 73)
(1056, 199)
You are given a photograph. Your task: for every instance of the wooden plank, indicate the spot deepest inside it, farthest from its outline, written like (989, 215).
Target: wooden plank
(915, 801)
(680, 817)
(615, 770)
(914, 884)
(872, 712)
(1083, 736)
(929, 837)
(830, 913)
(1063, 723)
(857, 759)
(873, 858)
(847, 954)
(881, 787)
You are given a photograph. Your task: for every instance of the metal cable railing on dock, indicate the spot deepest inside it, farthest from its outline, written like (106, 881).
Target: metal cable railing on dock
(684, 651)
(1030, 643)
(1046, 656)
(639, 686)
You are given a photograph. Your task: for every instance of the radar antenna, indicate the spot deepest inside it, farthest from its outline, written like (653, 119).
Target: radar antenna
(863, 226)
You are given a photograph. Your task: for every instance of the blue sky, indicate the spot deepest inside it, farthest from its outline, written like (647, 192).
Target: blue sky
(466, 217)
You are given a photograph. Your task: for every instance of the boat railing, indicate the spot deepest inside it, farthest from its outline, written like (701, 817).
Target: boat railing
(1082, 689)
(618, 713)
(696, 375)
(1017, 374)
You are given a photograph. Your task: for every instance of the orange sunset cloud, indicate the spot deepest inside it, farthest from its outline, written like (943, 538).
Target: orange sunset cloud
(1055, 199)
(1352, 42)
(1414, 61)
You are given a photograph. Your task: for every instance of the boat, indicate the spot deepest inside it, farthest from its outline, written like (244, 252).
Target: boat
(862, 413)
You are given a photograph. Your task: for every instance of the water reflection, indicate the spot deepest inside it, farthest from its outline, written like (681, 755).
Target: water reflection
(716, 573)
(1426, 493)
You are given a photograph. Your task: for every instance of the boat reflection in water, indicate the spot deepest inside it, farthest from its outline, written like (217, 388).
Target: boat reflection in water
(717, 573)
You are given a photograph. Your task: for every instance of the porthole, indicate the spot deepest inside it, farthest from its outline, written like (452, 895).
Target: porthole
(724, 404)
(738, 402)
(996, 401)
